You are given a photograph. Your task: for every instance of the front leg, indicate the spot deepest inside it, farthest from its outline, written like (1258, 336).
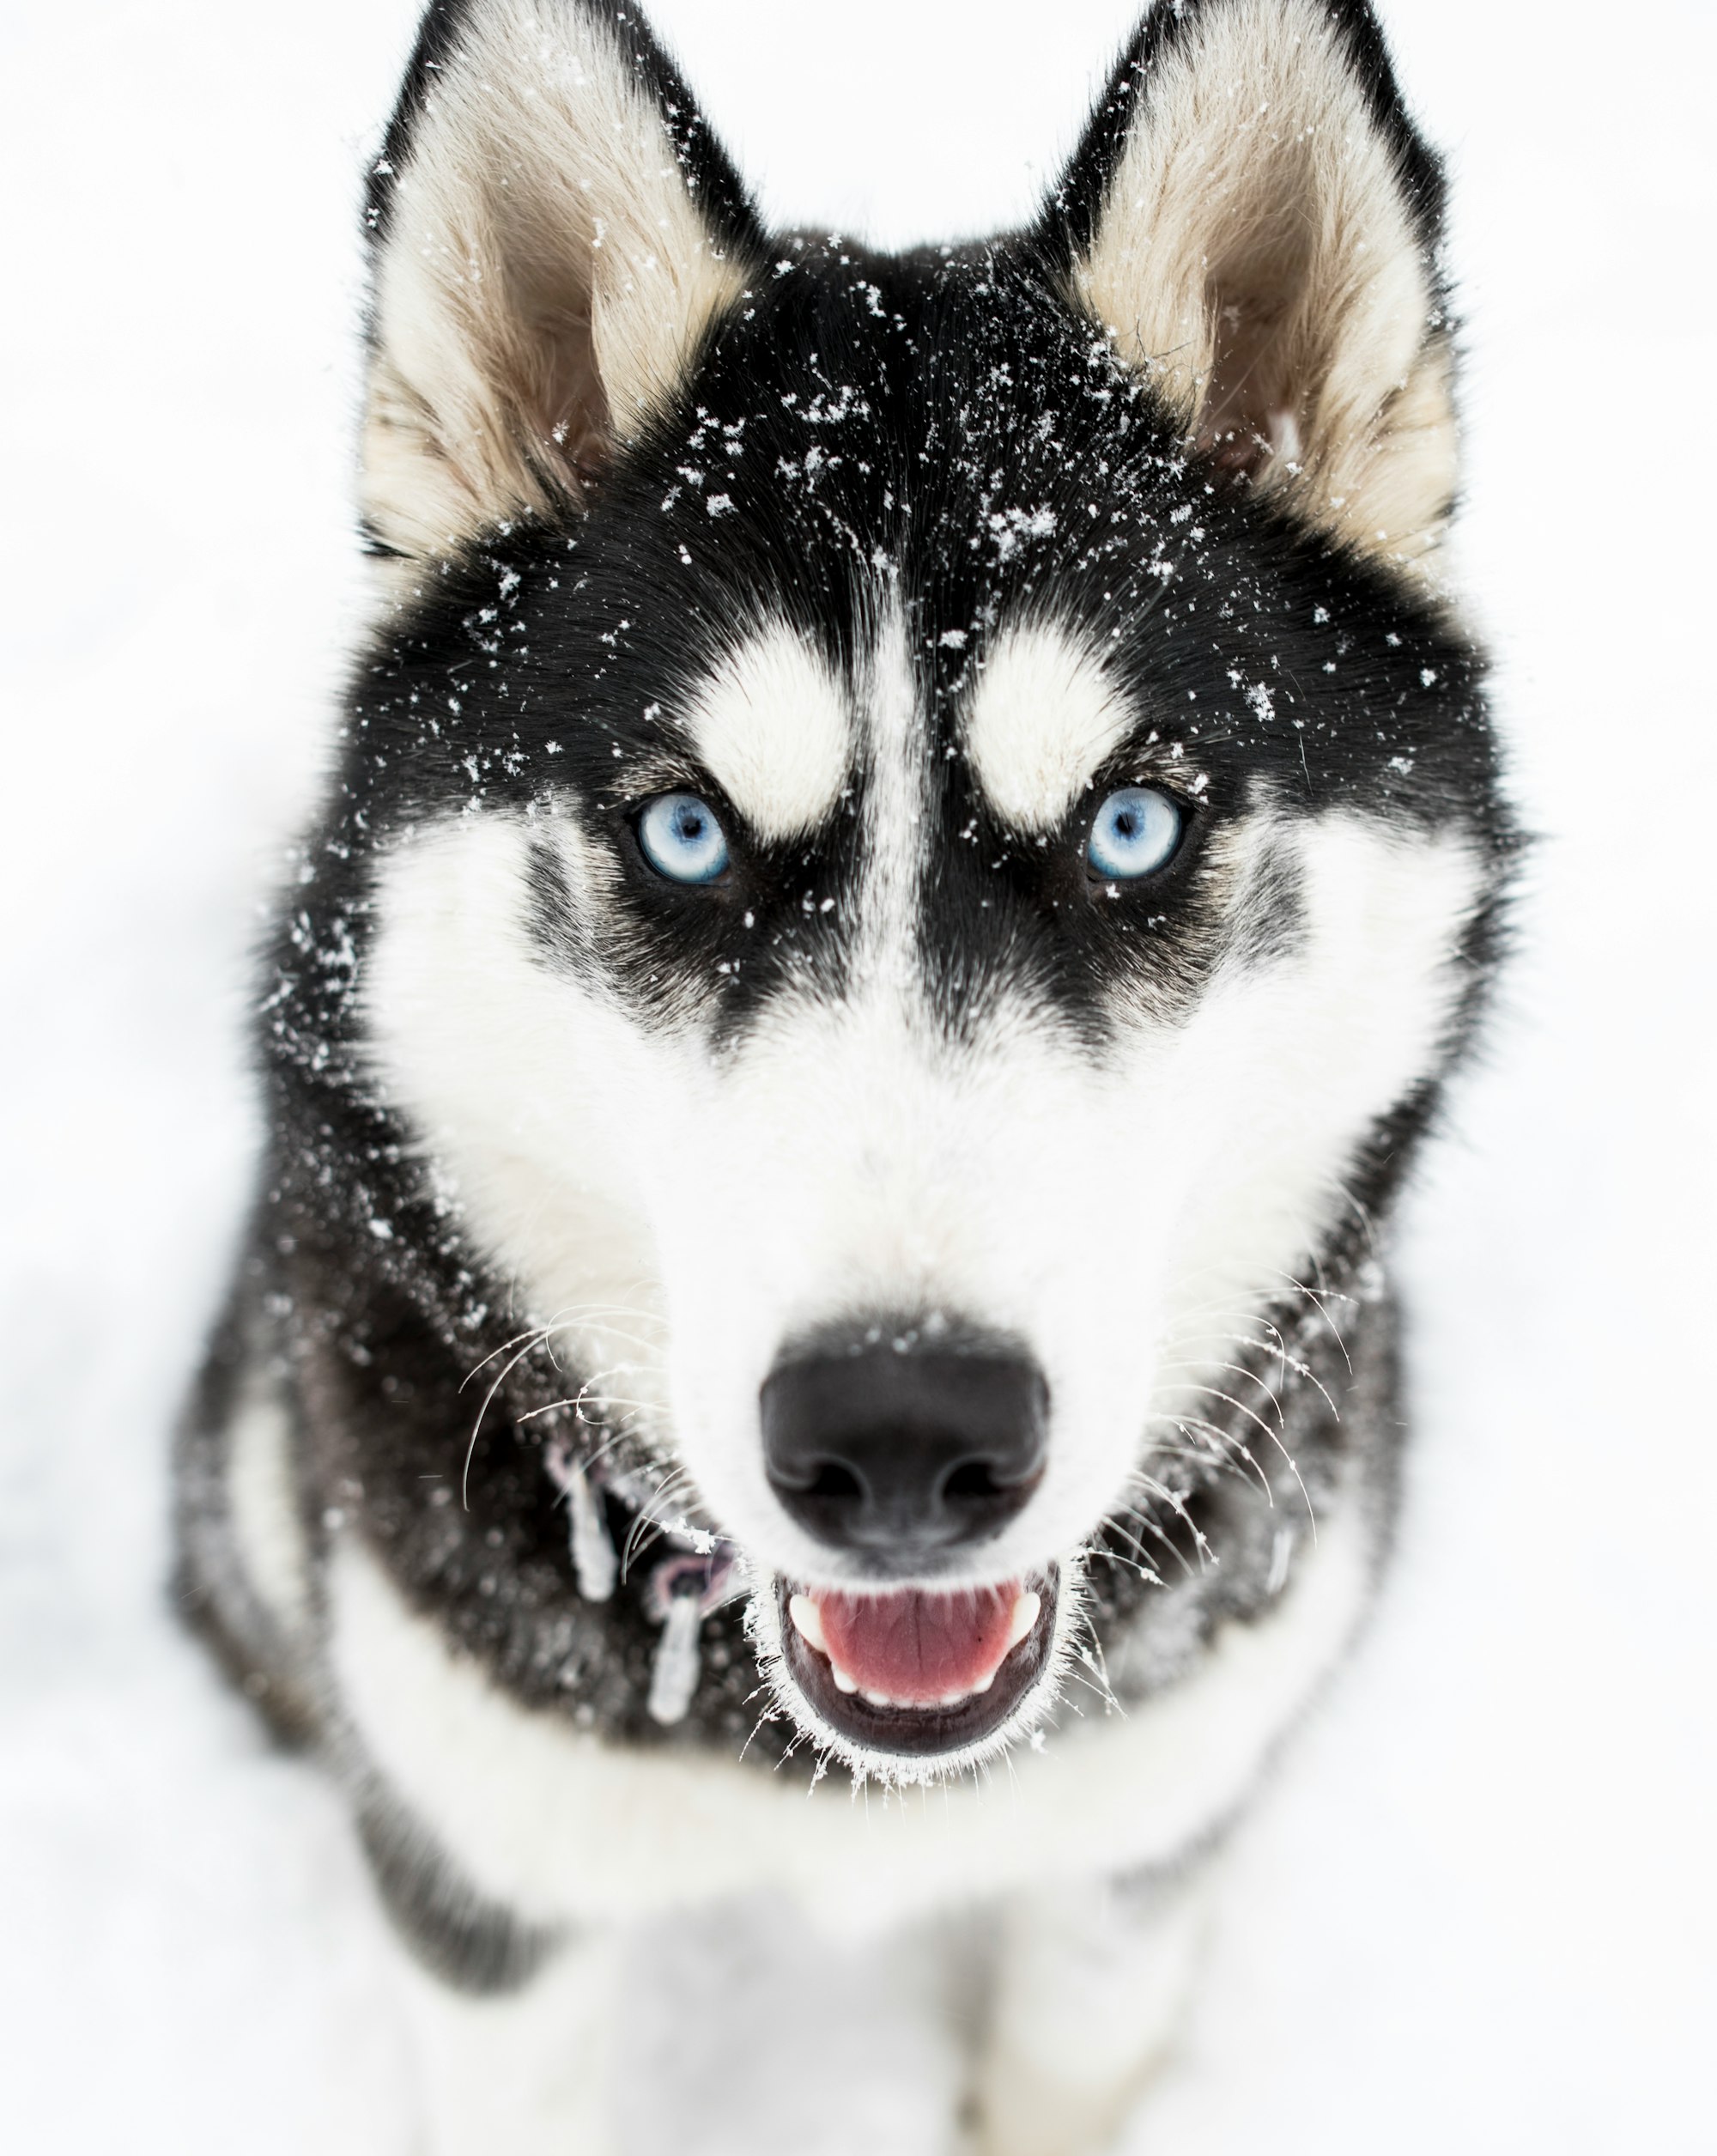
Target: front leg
(746, 2031)
(524, 2071)
(730, 2031)
(1089, 1985)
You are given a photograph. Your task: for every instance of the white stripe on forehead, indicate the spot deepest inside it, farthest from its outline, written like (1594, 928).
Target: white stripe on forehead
(772, 726)
(1042, 721)
(895, 806)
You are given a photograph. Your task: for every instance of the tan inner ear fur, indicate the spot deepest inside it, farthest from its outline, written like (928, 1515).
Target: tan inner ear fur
(546, 277)
(1255, 258)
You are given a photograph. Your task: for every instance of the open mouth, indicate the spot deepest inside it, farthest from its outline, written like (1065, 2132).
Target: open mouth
(914, 1670)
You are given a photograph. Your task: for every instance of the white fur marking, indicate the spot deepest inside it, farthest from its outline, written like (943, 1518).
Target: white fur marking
(858, 1161)
(895, 820)
(772, 728)
(520, 1799)
(1043, 719)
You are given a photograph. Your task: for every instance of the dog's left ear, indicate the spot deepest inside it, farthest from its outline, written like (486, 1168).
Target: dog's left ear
(554, 231)
(1254, 222)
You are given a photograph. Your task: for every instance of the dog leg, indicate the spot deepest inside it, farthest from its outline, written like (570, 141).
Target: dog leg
(1090, 1986)
(745, 2032)
(523, 2073)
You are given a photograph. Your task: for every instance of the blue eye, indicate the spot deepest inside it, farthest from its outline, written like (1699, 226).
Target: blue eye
(1136, 832)
(682, 839)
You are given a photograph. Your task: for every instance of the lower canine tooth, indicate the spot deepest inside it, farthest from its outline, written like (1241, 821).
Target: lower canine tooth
(985, 1683)
(808, 1622)
(842, 1681)
(1024, 1617)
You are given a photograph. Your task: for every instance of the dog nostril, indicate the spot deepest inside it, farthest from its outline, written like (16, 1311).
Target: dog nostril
(834, 1481)
(971, 1479)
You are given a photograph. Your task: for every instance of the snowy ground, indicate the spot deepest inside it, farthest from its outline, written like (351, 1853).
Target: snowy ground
(1479, 1908)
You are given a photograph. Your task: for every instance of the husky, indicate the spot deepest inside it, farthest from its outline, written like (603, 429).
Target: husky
(914, 842)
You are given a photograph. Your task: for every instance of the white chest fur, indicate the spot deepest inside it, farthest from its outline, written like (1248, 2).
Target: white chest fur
(564, 1826)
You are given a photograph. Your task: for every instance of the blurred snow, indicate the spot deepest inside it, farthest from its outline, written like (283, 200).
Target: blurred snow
(1479, 1908)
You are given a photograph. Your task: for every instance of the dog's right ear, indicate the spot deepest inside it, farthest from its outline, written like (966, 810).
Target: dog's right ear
(1255, 223)
(554, 231)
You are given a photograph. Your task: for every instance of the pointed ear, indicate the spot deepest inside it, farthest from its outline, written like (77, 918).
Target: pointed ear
(1253, 220)
(555, 230)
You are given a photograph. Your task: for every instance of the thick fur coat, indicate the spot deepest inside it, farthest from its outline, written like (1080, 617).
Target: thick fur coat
(914, 842)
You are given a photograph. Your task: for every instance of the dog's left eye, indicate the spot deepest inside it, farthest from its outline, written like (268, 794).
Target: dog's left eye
(1135, 832)
(683, 839)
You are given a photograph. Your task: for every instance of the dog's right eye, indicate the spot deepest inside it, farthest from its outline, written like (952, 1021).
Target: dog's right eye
(1137, 831)
(682, 838)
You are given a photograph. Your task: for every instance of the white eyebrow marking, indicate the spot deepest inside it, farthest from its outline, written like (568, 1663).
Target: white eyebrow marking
(773, 726)
(1043, 719)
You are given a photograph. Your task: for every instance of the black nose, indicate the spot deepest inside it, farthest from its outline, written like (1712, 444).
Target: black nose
(904, 1450)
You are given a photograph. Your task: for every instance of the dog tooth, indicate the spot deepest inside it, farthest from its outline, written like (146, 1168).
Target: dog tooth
(878, 1699)
(952, 1698)
(808, 1622)
(842, 1681)
(985, 1683)
(1025, 1616)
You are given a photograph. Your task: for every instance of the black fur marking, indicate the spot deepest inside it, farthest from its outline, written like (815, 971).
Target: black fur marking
(933, 434)
(1232, 1479)
(465, 1520)
(1269, 911)
(939, 436)
(210, 1588)
(474, 1944)
(551, 916)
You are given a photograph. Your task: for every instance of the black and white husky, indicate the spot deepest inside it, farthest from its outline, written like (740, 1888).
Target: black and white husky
(914, 842)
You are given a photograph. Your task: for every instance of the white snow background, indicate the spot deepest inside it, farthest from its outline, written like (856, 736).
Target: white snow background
(1476, 1908)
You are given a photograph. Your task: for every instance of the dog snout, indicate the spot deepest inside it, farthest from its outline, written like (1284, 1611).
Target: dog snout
(899, 1451)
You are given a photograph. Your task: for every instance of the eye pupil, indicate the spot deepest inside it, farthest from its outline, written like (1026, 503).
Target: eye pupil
(682, 838)
(1136, 830)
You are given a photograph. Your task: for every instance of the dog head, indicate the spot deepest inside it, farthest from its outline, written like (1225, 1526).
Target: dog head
(923, 812)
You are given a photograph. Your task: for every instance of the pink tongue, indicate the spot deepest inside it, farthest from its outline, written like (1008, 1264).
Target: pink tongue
(918, 1648)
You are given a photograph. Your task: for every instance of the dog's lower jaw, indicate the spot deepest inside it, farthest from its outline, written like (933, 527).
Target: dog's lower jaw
(898, 1745)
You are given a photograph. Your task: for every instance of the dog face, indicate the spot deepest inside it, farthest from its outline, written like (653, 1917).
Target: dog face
(921, 814)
